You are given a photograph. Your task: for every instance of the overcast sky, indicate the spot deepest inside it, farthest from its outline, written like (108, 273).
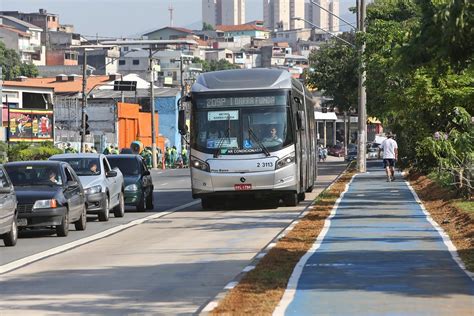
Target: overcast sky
(116, 18)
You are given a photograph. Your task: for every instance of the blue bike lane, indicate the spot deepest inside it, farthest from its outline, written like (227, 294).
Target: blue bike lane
(379, 254)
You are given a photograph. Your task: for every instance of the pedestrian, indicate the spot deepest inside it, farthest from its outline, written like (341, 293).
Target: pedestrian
(114, 150)
(107, 150)
(69, 149)
(173, 156)
(168, 157)
(390, 155)
(147, 157)
(93, 150)
(184, 156)
(86, 148)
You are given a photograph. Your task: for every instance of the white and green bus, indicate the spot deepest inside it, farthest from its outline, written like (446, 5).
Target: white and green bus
(252, 135)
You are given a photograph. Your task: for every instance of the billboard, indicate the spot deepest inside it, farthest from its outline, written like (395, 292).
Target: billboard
(28, 125)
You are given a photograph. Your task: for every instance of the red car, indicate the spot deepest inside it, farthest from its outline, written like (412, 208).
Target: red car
(336, 150)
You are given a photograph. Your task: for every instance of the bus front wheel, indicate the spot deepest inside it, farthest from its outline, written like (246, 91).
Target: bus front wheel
(206, 203)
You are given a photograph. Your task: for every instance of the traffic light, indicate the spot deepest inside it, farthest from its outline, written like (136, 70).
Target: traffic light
(86, 124)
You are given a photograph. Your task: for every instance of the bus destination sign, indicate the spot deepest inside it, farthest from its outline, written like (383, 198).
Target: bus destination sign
(269, 100)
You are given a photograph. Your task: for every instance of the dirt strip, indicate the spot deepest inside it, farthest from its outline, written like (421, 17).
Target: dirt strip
(260, 290)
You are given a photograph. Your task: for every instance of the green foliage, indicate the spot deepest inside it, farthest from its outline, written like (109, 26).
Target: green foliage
(12, 65)
(207, 27)
(213, 65)
(3, 152)
(334, 71)
(453, 150)
(25, 151)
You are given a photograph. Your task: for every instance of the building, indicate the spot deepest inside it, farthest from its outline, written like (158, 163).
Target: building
(229, 12)
(280, 14)
(170, 33)
(250, 30)
(24, 38)
(322, 18)
(334, 21)
(104, 61)
(48, 22)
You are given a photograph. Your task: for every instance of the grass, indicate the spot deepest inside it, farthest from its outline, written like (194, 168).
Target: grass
(465, 206)
(260, 290)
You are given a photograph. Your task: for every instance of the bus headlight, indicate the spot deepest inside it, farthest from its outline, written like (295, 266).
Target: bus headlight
(199, 164)
(285, 161)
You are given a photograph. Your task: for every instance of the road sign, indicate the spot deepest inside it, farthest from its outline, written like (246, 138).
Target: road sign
(125, 86)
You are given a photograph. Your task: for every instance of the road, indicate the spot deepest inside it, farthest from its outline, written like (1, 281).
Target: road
(174, 263)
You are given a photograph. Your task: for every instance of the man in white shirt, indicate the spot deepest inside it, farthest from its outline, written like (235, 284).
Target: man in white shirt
(390, 155)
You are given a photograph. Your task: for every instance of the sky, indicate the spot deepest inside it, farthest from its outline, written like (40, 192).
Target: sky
(130, 18)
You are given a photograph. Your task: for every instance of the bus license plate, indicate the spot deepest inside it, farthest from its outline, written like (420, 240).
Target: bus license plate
(242, 187)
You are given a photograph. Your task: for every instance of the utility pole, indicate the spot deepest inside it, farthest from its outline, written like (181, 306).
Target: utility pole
(362, 110)
(84, 100)
(152, 106)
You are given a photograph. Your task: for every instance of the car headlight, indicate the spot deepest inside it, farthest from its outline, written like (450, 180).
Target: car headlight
(285, 161)
(93, 190)
(131, 187)
(199, 164)
(45, 204)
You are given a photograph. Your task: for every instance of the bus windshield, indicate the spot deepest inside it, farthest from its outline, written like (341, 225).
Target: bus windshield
(241, 124)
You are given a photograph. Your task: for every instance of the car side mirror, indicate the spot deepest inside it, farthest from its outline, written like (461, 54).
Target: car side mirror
(146, 173)
(72, 183)
(111, 174)
(183, 129)
(300, 120)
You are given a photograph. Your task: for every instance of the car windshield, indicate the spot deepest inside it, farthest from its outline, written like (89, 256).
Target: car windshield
(128, 166)
(29, 175)
(83, 166)
(236, 125)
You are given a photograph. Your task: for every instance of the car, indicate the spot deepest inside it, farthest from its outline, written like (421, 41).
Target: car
(373, 151)
(103, 186)
(351, 152)
(138, 181)
(8, 216)
(49, 193)
(336, 150)
(126, 151)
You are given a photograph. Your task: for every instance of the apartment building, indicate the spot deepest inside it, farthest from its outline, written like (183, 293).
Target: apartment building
(228, 12)
(333, 21)
(280, 14)
(321, 18)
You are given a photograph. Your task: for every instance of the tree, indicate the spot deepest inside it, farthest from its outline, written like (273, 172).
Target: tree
(207, 27)
(334, 72)
(12, 65)
(213, 65)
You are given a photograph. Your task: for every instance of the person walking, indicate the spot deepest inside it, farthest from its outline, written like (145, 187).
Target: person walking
(184, 156)
(390, 155)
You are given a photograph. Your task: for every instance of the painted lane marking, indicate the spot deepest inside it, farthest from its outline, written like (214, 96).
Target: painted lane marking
(361, 194)
(50, 252)
(231, 285)
(394, 191)
(328, 264)
(261, 255)
(164, 183)
(248, 268)
(209, 307)
(446, 240)
(290, 291)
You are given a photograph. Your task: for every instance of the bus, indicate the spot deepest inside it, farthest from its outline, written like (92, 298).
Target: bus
(252, 135)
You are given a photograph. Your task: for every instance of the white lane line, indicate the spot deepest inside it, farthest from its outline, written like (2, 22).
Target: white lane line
(209, 307)
(360, 194)
(446, 240)
(231, 285)
(166, 183)
(295, 276)
(47, 253)
(248, 268)
(261, 255)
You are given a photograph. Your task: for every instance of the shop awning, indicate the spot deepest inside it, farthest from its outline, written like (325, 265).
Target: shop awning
(329, 116)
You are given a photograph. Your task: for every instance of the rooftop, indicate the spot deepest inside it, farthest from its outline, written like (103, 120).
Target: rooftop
(241, 27)
(21, 22)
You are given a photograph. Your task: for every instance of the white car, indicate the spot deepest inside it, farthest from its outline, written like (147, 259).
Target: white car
(103, 186)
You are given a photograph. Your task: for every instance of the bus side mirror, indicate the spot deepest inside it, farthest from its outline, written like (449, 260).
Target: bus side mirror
(300, 120)
(183, 129)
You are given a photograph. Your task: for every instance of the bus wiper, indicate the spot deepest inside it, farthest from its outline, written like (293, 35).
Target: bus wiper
(221, 142)
(255, 138)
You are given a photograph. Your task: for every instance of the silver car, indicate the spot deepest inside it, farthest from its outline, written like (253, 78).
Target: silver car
(8, 215)
(103, 186)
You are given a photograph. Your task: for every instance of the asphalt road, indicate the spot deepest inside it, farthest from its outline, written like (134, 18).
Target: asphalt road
(173, 263)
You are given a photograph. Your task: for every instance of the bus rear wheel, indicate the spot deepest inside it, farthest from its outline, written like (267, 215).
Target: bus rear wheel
(291, 199)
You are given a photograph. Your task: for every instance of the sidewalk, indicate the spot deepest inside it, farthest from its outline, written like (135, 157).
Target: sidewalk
(380, 256)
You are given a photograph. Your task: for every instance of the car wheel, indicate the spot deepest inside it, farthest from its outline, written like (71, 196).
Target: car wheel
(104, 214)
(63, 229)
(207, 203)
(301, 196)
(10, 238)
(119, 210)
(291, 199)
(142, 203)
(81, 223)
(149, 201)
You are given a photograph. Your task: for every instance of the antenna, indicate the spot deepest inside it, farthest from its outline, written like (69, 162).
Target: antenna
(170, 8)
